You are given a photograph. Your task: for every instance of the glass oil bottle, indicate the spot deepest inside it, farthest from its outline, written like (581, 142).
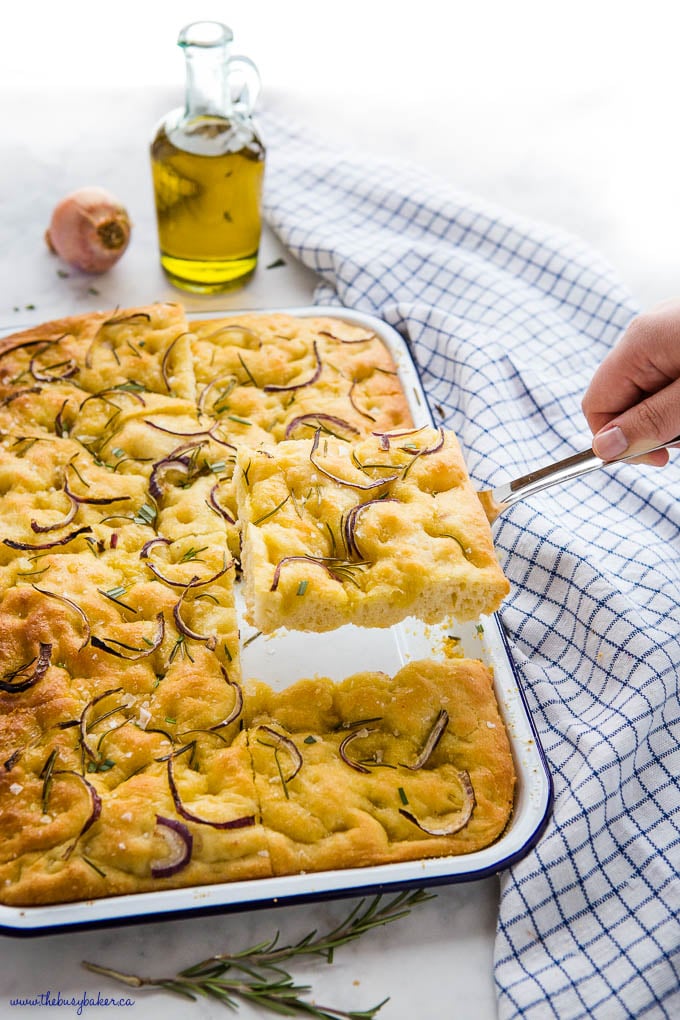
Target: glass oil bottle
(208, 163)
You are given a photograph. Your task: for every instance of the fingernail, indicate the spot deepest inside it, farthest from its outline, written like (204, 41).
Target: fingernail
(610, 443)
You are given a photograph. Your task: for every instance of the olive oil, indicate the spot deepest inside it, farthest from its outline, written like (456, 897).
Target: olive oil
(208, 207)
(207, 162)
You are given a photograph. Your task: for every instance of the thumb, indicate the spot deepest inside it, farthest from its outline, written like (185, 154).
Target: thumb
(655, 421)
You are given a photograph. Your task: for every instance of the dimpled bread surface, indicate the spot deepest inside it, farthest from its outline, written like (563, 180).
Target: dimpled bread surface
(133, 756)
(365, 532)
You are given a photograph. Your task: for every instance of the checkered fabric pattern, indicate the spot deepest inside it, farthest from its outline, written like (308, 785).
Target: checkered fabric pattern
(507, 320)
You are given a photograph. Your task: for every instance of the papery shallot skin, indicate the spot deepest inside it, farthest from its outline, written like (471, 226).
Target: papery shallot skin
(89, 229)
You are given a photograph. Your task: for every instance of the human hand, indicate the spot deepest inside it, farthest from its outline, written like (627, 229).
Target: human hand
(633, 399)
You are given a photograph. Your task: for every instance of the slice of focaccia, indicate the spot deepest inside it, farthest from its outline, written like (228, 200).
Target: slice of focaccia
(378, 769)
(365, 533)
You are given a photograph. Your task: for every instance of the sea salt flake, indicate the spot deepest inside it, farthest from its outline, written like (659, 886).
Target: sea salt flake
(144, 717)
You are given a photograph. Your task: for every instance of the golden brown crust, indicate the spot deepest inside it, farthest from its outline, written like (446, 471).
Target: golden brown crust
(312, 809)
(121, 699)
(104, 348)
(331, 814)
(366, 532)
(259, 367)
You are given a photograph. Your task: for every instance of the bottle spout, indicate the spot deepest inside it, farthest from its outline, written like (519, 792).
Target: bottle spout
(206, 46)
(205, 34)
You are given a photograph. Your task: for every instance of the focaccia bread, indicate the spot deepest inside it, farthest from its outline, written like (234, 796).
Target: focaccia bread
(378, 769)
(99, 799)
(288, 375)
(369, 532)
(131, 752)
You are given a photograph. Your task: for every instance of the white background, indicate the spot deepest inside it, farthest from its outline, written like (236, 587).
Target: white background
(564, 112)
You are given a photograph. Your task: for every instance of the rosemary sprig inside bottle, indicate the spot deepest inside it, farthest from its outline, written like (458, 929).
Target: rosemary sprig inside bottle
(256, 974)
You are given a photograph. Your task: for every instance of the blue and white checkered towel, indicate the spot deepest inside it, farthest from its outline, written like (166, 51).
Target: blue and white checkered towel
(507, 320)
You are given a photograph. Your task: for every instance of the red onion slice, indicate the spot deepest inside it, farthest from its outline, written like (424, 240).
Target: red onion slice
(233, 328)
(280, 740)
(317, 561)
(6, 401)
(179, 842)
(212, 500)
(356, 735)
(351, 523)
(95, 805)
(82, 723)
(460, 820)
(385, 437)
(191, 448)
(210, 640)
(94, 500)
(433, 738)
(47, 545)
(234, 823)
(237, 707)
(200, 433)
(101, 395)
(41, 666)
(166, 360)
(59, 427)
(179, 464)
(116, 320)
(194, 583)
(350, 397)
(400, 433)
(298, 386)
(148, 546)
(314, 418)
(216, 439)
(44, 376)
(203, 395)
(32, 343)
(138, 653)
(357, 340)
(81, 613)
(63, 523)
(426, 452)
(343, 481)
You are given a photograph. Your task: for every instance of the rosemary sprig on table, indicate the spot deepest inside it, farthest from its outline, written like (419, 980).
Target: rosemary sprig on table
(256, 974)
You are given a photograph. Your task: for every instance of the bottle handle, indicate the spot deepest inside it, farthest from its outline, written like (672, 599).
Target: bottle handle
(244, 84)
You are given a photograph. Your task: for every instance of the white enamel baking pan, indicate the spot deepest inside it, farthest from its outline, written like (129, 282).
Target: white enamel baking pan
(287, 656)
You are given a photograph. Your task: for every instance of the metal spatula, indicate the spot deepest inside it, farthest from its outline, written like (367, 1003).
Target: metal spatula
(495, 501)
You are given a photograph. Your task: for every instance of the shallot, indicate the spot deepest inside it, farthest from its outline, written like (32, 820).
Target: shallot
(89, 229)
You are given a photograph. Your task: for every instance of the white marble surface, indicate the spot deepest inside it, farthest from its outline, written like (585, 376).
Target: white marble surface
(566, 115)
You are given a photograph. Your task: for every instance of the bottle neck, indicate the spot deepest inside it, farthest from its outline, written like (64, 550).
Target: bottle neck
(207, 86)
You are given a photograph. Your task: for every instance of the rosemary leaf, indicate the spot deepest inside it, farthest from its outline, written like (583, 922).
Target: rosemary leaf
(270, 513)
(255, 974)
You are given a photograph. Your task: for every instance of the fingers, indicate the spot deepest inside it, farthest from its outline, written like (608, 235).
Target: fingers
(633, 401)
(624, 435)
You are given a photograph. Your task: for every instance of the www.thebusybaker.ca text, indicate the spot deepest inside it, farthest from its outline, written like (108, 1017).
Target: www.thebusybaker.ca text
(79, 1003)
